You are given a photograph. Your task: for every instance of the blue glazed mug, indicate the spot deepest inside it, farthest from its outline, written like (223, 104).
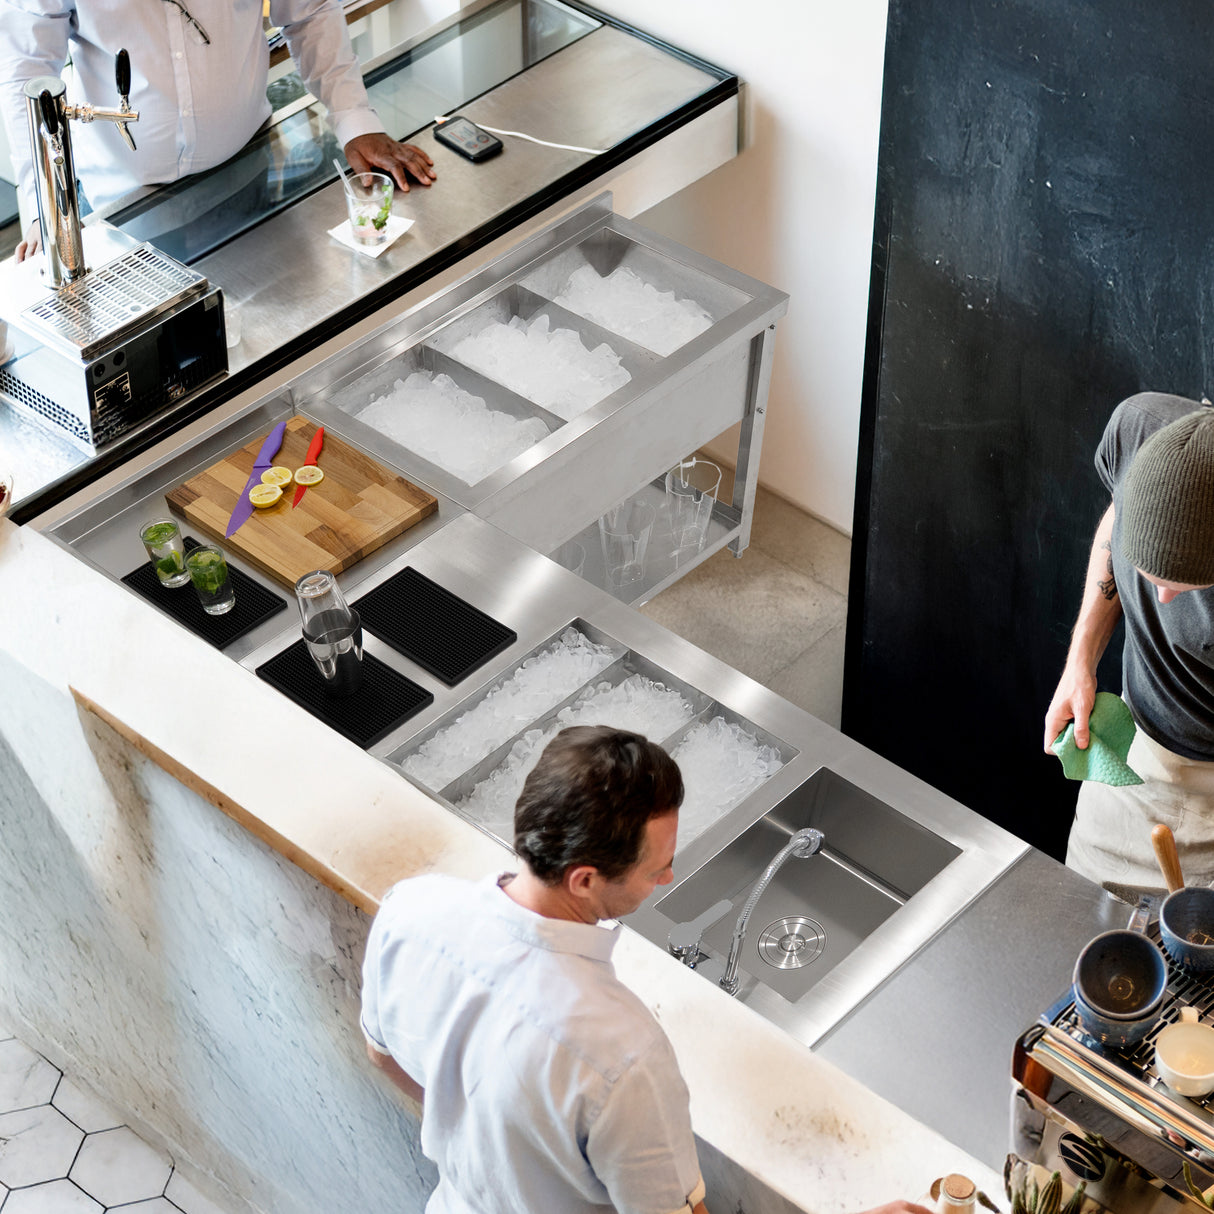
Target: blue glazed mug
(1120, 981)
(1186, 923)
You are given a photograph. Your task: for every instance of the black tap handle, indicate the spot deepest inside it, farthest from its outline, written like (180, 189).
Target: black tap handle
(122, 73)
(50, 115)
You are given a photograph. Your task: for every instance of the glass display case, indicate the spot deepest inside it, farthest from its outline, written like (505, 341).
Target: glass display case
(294, 155)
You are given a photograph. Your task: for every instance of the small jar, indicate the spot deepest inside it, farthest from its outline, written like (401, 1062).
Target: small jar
(958, 1195)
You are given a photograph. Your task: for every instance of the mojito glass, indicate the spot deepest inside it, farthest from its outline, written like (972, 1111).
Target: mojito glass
(162, 539)
(369, 202)
(208, 570)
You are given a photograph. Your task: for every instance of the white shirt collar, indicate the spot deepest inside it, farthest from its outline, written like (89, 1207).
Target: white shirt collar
(592, 940)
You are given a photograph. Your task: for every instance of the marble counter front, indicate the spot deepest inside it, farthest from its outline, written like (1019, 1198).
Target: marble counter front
(221, 952)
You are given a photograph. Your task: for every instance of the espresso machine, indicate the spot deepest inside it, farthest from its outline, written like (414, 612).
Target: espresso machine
(112, 331)
(1104, 1117)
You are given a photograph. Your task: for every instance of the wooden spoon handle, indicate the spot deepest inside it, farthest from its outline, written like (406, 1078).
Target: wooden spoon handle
(1164, 843)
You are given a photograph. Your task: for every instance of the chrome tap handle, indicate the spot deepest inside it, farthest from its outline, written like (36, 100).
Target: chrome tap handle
(50, 124)
(50, 116)
(684, 938)
(122, 78)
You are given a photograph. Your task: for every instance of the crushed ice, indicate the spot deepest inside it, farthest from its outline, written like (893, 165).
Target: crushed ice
(440, 421)
(628, 305)
(638, 704)
(722, 764)
(552, 368)
(539, 684)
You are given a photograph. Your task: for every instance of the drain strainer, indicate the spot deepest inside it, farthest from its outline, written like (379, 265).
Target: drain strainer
(788, 944)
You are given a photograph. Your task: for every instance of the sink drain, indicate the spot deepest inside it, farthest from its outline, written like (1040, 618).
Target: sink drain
(788, 944)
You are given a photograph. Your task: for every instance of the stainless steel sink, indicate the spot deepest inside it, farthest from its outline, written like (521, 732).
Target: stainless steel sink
(830, 928)
(816, 911)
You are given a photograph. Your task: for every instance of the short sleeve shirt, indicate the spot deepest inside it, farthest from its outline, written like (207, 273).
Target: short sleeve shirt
(549, 1086)
(1168, 657)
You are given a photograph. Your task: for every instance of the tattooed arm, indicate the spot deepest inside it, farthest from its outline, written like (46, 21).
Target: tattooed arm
(1098, 616)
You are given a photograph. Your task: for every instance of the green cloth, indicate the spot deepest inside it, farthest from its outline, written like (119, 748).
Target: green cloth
(1111, 730)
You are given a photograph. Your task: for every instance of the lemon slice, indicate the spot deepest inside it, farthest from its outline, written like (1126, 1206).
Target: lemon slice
(264, 495)
(309, 474)
(276, 476)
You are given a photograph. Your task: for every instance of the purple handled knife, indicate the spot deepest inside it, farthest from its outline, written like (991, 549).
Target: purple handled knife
(264, 460)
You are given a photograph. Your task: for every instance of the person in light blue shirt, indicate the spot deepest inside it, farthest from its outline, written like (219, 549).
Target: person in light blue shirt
(548, 1086)
(198, 80)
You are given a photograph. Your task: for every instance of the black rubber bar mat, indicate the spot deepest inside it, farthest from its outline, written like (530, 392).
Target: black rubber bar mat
(254, 602)
(385, 699)
(438, 630)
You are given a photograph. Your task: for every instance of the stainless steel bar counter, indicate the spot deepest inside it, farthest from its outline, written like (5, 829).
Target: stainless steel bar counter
(661, 119)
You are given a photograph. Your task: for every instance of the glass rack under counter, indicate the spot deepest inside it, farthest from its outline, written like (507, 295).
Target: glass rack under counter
(565, 377)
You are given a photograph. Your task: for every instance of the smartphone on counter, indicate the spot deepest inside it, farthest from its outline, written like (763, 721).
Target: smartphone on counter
(467, 138)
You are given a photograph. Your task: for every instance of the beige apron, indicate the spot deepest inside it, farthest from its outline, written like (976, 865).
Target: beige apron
(1110, 840)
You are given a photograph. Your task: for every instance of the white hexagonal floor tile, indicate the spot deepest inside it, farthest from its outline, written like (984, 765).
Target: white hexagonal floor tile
(117, 1167)
(26, 1078)
(54, 1197)
(84, 1109)
(35, 1145)
(158, 1205)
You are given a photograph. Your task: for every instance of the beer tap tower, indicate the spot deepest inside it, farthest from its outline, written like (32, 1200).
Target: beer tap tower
(48, 114)
(99, 349)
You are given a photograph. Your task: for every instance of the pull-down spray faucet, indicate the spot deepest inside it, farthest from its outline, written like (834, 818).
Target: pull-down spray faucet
(684, 938)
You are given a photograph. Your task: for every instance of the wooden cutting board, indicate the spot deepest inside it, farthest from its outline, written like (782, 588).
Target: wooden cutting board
(357, 508)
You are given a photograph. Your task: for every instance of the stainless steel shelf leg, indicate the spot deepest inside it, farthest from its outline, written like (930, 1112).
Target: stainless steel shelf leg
(750, 441)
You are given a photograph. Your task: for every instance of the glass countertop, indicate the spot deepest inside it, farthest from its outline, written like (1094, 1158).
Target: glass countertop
(294, 155)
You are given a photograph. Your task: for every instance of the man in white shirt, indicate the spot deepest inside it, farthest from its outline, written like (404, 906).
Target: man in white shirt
(548, 1085)
(198, 80)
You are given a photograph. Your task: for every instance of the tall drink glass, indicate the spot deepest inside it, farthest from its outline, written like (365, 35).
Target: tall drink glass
(624, 531)
(208, 571)
(332, 631)
(369, 203)
(166, 550)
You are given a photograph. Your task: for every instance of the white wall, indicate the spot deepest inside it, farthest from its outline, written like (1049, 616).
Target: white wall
(795, 210)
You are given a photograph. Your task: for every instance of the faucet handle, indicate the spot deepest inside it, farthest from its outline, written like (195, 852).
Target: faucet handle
(684, 938)
(122, 78)
(50, 115)
(122, 75)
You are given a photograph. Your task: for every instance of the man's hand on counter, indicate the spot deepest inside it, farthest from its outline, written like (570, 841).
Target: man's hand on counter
(365, 153)
(32, 242)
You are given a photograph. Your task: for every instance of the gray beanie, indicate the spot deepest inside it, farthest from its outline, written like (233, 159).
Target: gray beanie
(1167, 511)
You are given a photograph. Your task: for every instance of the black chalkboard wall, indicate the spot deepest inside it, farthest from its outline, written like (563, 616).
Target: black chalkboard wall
(1044, 247)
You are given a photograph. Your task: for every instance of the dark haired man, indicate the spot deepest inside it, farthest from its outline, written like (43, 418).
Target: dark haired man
(1151, 563)
(548, 1085)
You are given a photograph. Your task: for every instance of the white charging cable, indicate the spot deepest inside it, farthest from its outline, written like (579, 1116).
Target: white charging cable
(564, 147)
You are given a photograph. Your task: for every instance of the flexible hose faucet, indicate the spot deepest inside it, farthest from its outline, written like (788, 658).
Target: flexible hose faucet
(802, 845)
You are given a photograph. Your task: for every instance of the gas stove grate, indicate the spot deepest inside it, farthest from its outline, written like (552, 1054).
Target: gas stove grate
(1185, 989)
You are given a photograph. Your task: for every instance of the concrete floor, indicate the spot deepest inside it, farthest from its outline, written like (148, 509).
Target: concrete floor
(777, 614)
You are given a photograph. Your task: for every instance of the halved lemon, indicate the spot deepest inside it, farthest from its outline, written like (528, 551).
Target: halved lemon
(309, 474)
(276, 476)
(264, 495)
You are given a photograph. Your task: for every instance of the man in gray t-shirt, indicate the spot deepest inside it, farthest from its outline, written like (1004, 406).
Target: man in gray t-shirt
(1152, 562)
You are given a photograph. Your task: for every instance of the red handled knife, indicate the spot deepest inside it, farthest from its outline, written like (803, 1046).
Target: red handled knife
(318, 441)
